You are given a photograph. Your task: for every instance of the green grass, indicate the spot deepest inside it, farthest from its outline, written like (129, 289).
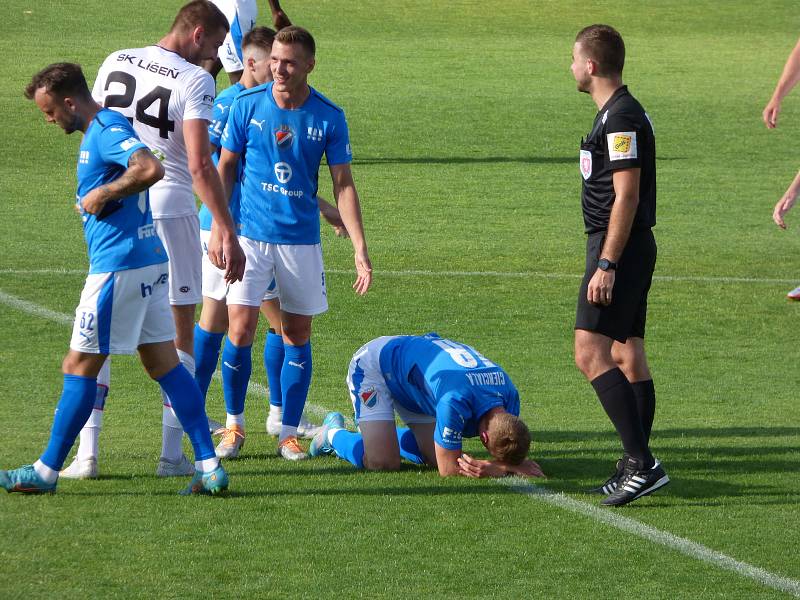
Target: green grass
(465, 125)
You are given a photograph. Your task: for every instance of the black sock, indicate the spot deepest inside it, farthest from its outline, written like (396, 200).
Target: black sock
(645, 393)
(616, 395)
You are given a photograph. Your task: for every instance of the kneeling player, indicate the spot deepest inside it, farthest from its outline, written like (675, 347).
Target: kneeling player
(444, 391)
(124, 306)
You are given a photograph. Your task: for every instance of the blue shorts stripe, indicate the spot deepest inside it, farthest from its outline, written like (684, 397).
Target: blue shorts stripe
(105, 305)
(236, 36)
(358, 379)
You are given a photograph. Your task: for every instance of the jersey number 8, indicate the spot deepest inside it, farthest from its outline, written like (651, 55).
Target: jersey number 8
(158, 94)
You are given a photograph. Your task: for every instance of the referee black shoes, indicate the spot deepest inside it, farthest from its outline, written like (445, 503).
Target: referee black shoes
(611, 483)
(636, 481)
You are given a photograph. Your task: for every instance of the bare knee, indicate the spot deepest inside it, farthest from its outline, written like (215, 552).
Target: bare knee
(384, 463)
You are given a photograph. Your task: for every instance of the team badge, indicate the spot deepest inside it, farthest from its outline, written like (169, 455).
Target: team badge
(586, 164)
(369, 397)
(622, 145)
(284, 136)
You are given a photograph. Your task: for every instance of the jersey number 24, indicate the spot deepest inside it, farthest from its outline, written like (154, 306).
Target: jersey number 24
(158, 94)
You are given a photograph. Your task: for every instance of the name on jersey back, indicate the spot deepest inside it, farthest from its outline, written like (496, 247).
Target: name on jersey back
(153, 67)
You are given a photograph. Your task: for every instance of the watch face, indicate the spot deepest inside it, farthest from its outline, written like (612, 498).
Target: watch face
(603, 264)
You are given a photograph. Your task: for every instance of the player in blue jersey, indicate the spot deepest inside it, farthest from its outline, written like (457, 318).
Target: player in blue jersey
(444, 391)
(209, 331)
(282, 130)
(124, 306)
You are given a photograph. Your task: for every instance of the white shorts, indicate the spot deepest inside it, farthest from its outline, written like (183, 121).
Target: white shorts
(297, 270)
(214, 284)
(120, 311)
(371, 398)
(241, 15)
(181, 238)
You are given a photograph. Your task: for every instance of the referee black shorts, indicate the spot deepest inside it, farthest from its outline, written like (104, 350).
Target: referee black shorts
(627, 314)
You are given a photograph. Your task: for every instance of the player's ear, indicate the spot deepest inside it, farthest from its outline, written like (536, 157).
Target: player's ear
(198, 35)
(312, 62)
(485, 438)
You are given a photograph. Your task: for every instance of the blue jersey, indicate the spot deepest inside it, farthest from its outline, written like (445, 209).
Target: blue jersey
(282, 152)
(122, 235)
(451, 381)
(219, 118)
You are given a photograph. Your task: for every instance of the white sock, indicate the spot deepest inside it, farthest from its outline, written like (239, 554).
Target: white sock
(46, 473)
(287, 431)
(171, 436)
(231, 420)
(206, 465)
(275, 412)
(332, 431)
(187, 360)
(90, 440)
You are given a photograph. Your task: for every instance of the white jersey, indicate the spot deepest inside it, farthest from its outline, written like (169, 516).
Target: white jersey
(158, 90)
(241, 15)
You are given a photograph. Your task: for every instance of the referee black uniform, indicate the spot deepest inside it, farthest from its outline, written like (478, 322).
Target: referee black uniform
(622, 137)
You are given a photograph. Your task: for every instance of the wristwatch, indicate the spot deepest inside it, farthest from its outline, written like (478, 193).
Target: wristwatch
(606, 265)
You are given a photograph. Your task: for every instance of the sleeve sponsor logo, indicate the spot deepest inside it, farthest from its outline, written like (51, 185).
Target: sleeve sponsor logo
(129, 143)
(451, 435)
(622, 145)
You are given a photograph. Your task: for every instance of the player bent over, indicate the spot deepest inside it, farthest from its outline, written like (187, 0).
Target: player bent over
(124, 305)
(444, 391)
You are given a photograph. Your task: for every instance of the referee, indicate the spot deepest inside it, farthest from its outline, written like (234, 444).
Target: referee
(618, 164)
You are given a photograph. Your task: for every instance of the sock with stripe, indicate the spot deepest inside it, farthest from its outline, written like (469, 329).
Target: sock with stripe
(189, 407)
(273, 364)
(89, 444)
(237, 366)
(206, 352)
(295, 381)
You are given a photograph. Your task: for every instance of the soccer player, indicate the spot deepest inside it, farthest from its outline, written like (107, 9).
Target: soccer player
(168, 98)
(444, 391)
(789, 78)
(282, 129)
(241, 15)
(123, 306)
(618, 164)
(210, 330)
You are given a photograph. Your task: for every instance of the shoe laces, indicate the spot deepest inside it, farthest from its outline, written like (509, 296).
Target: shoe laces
(291, 444)
(229, 436)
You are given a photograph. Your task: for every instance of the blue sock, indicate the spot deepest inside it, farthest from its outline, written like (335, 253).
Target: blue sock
(349, 446)
(206, 355)
(295, 381)
(273, 363)
(237, 364)
(408, 446)
(74, 407)
(190, 408)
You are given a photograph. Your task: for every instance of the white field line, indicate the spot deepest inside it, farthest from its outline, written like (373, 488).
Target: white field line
(682, 545)
(520, 485)
(498, 274)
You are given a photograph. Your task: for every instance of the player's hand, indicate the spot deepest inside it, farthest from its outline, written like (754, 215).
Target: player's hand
(363, 273)
(782, 207)
(600, 286)
(474, 467)
(234, 260)
(94, 201)
(527, 468)
(341, 231)
(770, 114)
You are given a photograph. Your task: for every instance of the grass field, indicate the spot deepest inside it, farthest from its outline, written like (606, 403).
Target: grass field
(465, 126)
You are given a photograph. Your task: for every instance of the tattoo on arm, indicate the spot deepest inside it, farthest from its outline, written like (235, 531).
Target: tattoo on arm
(132, 180)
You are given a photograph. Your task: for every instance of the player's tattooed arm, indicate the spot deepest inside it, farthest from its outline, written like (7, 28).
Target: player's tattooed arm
(143, 170)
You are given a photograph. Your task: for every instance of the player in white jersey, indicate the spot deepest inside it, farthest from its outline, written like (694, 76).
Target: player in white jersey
(241, 15)
(168, 98)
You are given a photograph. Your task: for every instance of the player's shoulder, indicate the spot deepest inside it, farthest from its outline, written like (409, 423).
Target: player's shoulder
(253, 94)
(230, 93)
(116, 121)
(627, 105)
(325, 102)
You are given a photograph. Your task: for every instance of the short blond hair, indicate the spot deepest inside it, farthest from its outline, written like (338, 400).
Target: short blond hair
(508, 438)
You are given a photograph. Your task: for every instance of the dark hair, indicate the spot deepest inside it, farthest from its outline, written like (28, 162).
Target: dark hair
(262, 37)
(604, 45)
(200, 13)
(62, 79)
(297, 35)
